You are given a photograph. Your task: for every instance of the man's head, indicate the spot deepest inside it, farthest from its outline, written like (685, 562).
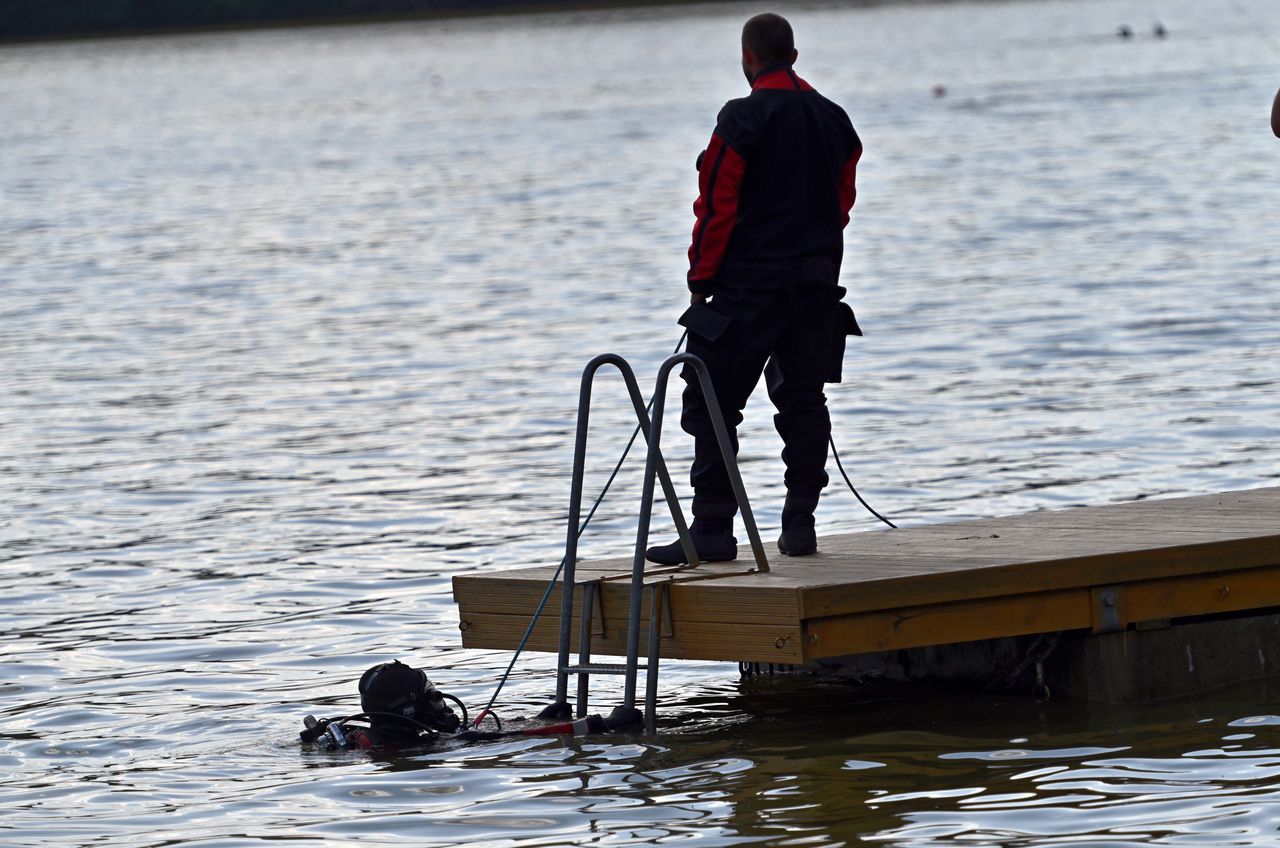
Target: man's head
(766, 40)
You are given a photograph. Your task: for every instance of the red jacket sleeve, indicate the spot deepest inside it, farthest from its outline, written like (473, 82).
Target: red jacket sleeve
(716, 210)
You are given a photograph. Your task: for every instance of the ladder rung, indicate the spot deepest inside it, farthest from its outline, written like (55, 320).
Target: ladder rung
(600, 668)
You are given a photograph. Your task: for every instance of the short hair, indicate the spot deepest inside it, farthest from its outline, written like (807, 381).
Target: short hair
(769, 37)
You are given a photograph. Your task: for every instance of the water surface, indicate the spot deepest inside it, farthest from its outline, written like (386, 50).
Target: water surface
(291, 325)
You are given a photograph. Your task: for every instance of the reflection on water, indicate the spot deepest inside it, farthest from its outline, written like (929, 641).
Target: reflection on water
(291, 325)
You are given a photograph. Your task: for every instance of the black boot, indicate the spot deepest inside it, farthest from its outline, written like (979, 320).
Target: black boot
(712, 539)
(798, 535)
(721, 548)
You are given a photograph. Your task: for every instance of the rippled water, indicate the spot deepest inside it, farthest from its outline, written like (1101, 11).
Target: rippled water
(291, 324)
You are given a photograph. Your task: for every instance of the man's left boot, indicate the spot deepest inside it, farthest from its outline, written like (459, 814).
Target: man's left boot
(799, 538)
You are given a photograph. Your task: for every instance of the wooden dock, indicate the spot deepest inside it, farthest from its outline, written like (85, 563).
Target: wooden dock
(1100, 569)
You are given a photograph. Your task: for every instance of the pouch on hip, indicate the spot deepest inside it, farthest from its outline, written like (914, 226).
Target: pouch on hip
(840, 324)
(705, 322)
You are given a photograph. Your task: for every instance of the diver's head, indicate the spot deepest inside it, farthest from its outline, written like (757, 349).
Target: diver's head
(401, 699)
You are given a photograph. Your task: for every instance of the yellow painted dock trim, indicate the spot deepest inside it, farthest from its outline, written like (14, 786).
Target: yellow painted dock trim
(943, 583)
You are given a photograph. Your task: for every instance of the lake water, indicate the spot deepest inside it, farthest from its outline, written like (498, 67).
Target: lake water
(291, 324)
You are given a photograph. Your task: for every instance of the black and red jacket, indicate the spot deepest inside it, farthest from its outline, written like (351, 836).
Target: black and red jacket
(776, 184)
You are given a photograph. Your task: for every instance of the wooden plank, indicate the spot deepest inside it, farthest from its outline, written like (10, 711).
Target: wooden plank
(737, 641)
(941, 624)
(1240, 499)
(1045, 612)
(1007, 579)
(1203, 594)
(751, 624)
(612, 570)
(697, 600)
(1034, 544)
(682, 610)
(1257, 509)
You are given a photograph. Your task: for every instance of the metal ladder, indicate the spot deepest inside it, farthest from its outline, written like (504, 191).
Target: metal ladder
(626, 714)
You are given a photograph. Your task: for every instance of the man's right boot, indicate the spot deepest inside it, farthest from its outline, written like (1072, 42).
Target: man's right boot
(799, 538)
(720, 547)
(712, 539)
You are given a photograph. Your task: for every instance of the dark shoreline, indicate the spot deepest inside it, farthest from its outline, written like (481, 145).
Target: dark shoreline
(175, 23)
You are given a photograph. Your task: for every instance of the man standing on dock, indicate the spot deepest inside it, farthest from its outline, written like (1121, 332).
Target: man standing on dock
(776, 184)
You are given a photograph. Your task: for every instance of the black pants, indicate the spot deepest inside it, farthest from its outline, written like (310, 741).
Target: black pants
(795, 337)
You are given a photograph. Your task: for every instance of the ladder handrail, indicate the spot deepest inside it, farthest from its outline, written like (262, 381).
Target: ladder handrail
(652, 463)
(575, 496)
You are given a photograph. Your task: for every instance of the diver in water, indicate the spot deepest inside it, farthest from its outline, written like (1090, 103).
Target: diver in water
(400, 708)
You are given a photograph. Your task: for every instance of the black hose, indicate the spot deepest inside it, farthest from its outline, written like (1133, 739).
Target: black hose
(849, 483)
(465, 718)
(396, 716)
